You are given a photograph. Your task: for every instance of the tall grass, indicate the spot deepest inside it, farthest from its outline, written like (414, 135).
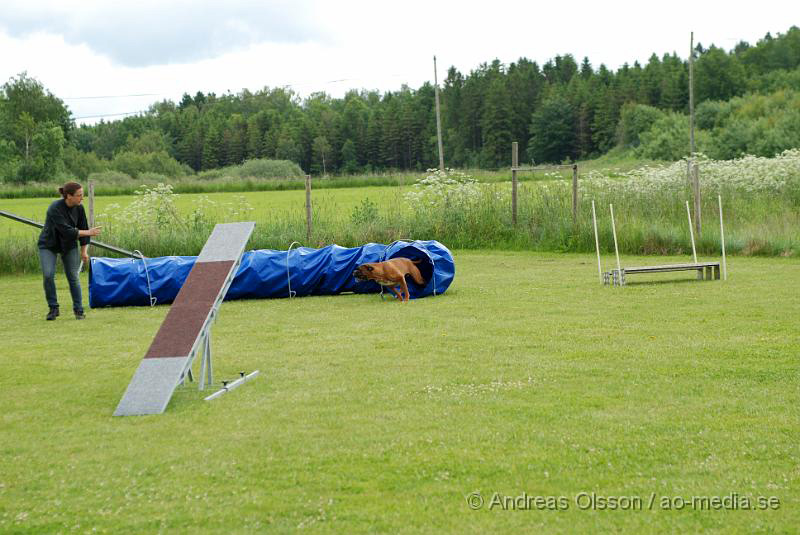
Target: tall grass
(761, 203)
(114, 183)
(281, 175)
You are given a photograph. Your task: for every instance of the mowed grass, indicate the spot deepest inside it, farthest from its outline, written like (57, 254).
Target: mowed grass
(526, 378)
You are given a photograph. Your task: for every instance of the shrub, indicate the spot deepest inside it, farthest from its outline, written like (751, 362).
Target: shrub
(636, 119)
(260, 169)
(81, 164)
(265, 169)
(365, 214)
(443, 188)
(667, 139)
(110, 177)
(154, 213)
(135, 163)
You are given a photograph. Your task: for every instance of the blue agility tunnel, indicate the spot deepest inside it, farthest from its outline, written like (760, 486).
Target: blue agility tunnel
(268, 273)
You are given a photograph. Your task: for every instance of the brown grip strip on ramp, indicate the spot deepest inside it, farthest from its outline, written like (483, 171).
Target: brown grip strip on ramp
(190, 309)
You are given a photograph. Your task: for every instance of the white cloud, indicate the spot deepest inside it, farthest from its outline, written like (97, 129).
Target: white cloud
(94, 48)
(150, 32)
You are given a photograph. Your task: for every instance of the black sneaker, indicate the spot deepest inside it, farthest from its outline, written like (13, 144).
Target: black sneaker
(79, 315)
(53, 314)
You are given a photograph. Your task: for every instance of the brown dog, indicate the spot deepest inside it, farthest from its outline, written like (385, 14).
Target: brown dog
(391, 273)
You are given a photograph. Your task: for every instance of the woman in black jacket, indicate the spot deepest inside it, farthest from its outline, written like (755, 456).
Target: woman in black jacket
(64, 226)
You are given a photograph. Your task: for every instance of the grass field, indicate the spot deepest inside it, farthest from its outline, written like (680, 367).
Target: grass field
(527, 378)
(339, 202)
(760, 196)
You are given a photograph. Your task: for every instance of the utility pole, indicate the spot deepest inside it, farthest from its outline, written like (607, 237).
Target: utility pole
(693, 171)
(691, 97)
(438, 115)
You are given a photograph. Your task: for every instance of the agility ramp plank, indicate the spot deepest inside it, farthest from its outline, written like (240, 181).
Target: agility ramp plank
(187, 323)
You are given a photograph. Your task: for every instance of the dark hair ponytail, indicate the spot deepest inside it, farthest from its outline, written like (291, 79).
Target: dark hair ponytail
(69, 189)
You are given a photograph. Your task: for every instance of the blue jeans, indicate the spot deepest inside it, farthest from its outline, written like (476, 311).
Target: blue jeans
(72, 261)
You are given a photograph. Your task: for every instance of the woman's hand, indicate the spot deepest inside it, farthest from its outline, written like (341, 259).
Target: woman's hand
(94, 231)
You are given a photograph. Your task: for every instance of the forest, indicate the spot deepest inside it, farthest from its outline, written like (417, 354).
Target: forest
(747, 101)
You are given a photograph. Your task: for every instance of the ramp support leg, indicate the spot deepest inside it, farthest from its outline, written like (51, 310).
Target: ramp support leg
(187, 375)
(206, 366)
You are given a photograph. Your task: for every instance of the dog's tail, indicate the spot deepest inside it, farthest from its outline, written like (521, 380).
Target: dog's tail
(416, 275)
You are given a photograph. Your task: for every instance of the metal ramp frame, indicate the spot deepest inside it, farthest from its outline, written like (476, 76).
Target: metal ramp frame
(705, 270)
(186, 330)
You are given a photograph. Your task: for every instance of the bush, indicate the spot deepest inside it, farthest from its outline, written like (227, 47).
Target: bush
(9, 164)
(448, 188)
(636, 119)
(265, 169)
(711, 114)
(43, 161)
(259, 169)
(111, 176)
(365, 214)
(774, 81)
(152, 178)
(81, 164)
(135, 163)
(667, 139)
(760, 125)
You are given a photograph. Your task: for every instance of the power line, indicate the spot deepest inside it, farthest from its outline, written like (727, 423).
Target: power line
(293, 84)
(316, 82)
(110, 115)
(93, 97)
(116, 96)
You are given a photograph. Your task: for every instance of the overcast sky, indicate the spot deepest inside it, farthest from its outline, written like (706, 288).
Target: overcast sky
(85, 51)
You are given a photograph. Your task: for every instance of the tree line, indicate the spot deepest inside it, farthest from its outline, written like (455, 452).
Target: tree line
(561, 110)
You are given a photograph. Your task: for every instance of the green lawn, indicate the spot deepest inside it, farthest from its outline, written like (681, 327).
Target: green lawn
(527, 378)
(333, 202)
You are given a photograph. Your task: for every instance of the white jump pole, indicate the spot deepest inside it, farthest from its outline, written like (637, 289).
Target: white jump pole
(235, 384)
(722, 240)
(616, 248)
(691, 231)
(597, 244)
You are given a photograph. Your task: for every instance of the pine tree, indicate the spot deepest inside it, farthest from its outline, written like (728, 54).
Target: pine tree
(525, 83)
(287, 147)
(349, 157)
(235, 136)
(651, 81)
(496, 125)
(354, 126)
(375, 149)
(392, 136)
(213, 151)
(553, 131)
(254, 138)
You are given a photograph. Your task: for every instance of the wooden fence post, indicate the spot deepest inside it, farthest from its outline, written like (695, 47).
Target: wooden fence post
(514, 166)
(696, 187)
(574, 195)
(91, 211)
(308, 209)
(91, 203)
